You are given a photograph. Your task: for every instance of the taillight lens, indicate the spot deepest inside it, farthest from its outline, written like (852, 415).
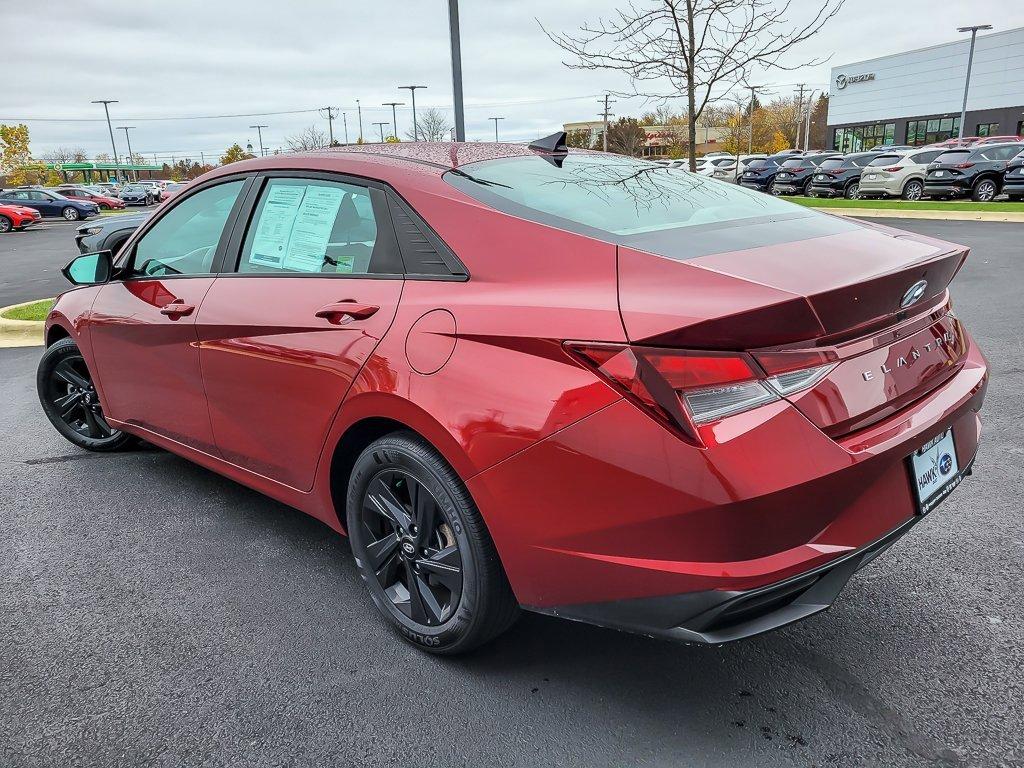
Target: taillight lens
(963, 165)
(689, 388)
(892, 168)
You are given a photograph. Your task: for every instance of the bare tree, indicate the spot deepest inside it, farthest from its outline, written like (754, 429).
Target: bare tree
(698, 48)
(626, 137)
(431, 125)
(309, 139)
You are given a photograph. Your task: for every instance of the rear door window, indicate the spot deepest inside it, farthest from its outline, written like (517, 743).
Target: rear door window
(923, 158)
(317, 227)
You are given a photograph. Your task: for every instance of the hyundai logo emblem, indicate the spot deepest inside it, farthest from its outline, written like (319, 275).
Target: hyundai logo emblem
(914, 293)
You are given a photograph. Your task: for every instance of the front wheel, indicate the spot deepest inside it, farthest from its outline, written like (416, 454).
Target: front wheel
(5, 224)
(984, 191)
(853, 191)
(71, 214)
(423, 550)
(913, 190)
(69, 399)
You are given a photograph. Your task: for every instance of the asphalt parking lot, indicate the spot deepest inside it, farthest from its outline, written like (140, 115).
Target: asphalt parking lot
(153, 613)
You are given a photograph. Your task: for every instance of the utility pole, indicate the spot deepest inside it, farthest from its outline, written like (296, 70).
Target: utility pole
(412, 92)
(799, 114)
(495, 119)
(750, 139)
(453, 34)
(394, 117)
(807, 125)
(128, 141)
(359, 108)
(970, 60)
(605, 114)
(381, 126)
(202, 159)
(106, 108)
(331, 114)
(259, 132)
(344, 121)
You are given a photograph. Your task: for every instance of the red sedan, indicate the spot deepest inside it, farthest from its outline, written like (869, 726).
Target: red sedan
(17, 217)
(79, 193)
(525, 377)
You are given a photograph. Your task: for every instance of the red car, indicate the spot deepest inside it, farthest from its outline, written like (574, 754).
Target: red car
(78, 193)
(17, 217)
(525, 377)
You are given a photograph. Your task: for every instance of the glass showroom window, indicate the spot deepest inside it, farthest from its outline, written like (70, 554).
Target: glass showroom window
(863, 137)
(931, 131)
(987, 129)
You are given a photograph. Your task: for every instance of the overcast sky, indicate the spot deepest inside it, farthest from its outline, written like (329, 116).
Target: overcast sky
(178, 58)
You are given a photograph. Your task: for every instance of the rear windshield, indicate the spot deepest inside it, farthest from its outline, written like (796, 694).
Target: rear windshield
(611, 195)
(832, 162)
(794, 163)
(953, 156)
(761, 163)
(884, 160)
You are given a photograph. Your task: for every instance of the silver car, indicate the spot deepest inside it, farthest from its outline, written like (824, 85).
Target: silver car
(897, 174)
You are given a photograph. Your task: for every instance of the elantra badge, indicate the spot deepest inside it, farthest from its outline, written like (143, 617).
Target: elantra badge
(913, 294)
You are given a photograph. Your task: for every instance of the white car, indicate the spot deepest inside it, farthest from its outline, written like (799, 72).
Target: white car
(897, 174)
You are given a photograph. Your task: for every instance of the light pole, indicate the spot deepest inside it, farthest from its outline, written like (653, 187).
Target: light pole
(453, 34)
(394, 117)
(359, 108)
(970, 60)
(128, 141)
(495, 119)
(412, 92)
(259, 132)
(344, 121)
(381, 126)
(106, 108)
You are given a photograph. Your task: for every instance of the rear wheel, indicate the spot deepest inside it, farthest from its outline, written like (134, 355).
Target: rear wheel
(806, 191)
(5, 224)
(984, 191)
(913, 190)
(69, 399)
(423, 550)
(71, 214)
(852, 191)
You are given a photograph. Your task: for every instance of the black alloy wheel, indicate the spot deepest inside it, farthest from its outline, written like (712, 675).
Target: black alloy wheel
(69, 399)
(422, 548)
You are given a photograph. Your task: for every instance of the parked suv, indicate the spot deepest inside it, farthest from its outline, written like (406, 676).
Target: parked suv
(840, 176)
(794, 177)
(1013, 179)
(974, 171)
(760, 174)
(897, 174)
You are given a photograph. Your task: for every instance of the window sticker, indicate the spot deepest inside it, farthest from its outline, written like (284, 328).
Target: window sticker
(270, 246)
(311, 230)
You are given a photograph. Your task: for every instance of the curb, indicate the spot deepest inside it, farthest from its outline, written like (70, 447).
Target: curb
(891, 213)
(21, 333)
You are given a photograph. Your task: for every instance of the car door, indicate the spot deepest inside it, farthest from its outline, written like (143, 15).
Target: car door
(316, 285)
(143, 328)
(47, 203)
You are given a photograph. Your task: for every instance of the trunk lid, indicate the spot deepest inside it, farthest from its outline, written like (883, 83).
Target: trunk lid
(822, 284)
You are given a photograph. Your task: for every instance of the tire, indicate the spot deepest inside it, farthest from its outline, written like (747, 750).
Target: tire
(806, 191)
(913, 190)
(462, 597)
(5, 224)
(69, 400)
(772, 189)
(852, 191)
(985, 191)
(71, 214)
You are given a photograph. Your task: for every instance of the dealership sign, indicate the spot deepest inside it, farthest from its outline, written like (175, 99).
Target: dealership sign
(844, 80)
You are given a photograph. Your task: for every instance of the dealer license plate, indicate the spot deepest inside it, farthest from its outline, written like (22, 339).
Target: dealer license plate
(934, 471)
(940, 173)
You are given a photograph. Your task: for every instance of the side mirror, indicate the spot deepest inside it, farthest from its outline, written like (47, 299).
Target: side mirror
(90, 268)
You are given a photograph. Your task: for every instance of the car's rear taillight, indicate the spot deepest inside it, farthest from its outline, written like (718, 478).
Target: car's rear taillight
(892, 169)
(963, 165)
(689, 388)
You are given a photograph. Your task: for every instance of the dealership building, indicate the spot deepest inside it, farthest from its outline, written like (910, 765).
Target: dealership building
(915, 97)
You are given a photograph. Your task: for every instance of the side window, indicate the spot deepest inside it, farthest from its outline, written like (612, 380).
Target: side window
(313, 226)
(1003, 153)
(185, 240)
(41, 196)
(926, 157)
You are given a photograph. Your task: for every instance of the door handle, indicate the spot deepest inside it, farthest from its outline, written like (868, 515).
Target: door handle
(347, 308)
(177, 308)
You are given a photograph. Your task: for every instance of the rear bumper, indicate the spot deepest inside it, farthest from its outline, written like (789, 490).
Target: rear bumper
(614, 520)
(878, 187)
(946, 190)
(828, 190)
(1014, 187)
(716, 617)
(759, 184)
(789, 188)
